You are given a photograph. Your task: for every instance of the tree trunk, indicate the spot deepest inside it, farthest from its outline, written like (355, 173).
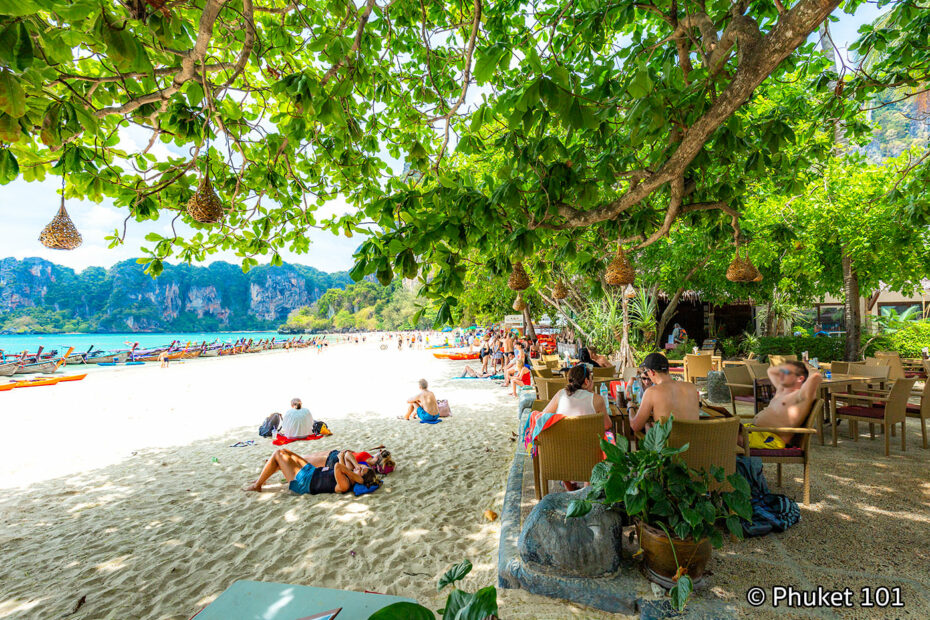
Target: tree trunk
(851, 309)
(769, 321)
(528, 323)
(669, 311)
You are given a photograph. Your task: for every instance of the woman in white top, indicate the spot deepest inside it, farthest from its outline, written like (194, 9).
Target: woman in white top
(297, 422)
(578, 398)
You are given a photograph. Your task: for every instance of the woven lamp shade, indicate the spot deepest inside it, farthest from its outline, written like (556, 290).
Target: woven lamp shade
(205, 206)
(559, 291)
(518, 280)
(620, 270)
(60, 233)
(518, 303)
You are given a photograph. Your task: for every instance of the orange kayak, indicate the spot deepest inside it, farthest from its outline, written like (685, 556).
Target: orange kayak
(36, 383)
(7, 387)
(456, 356)
(72, 377)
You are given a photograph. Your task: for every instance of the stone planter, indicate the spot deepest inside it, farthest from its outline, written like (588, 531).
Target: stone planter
(659, 561)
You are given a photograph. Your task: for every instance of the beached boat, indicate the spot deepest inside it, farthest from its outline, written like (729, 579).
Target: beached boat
(210, 353)
(8, 368)
(39, 367)
(456, 356)
(114, 357)
(440, 346)
(36, 382)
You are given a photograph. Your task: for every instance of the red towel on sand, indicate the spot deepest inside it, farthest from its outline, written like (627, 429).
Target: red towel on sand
(282, 440)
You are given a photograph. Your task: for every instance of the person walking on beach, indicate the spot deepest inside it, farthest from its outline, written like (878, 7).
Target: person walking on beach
(163, 358)
(424, 404)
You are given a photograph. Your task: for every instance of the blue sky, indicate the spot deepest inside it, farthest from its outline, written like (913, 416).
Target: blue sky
(29, 206)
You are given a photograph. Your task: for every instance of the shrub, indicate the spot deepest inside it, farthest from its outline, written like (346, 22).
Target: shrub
(823, 348)
(908, 341)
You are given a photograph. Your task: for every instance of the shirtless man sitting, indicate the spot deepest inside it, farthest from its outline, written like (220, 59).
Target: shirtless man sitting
(666, 396)
(795, 393)
(424, 404)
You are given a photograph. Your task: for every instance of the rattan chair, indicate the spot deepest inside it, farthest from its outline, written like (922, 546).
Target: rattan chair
(551, 358)
(757, 370)
(921, 411)
(567, 450)
(888, 410)
(538, 364)
(710, 442)
(697, 366)
(896, 368)
(796, 452)
(547, 388)
(839, 368)
(544, 373)
(740, 383)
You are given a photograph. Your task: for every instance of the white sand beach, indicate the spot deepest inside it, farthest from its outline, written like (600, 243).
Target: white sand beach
(109, 490)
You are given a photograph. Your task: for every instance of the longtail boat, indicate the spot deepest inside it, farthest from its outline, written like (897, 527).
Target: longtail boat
(43, 367)
(8, 368)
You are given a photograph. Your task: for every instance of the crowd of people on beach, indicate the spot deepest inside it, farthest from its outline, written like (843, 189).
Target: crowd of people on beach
(506, 356)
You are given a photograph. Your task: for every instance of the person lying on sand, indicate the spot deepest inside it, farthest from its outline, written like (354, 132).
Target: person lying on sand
(424, 404)
(305, 478)
(380, 461)
(471, 372)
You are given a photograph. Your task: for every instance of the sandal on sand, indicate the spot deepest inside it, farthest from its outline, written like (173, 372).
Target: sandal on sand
(242, 444)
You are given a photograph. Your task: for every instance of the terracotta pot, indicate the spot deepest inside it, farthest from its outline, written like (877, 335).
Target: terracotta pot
(658, 558)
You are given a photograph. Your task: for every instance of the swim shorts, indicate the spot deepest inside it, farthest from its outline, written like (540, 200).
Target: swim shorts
(332, 458)
(763, 440)
(424, 416)
(301, 482)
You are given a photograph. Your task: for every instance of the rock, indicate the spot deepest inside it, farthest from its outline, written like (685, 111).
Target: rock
(717, 390)
(588, 546)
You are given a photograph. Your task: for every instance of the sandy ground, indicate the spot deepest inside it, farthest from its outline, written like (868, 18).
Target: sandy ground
(108, 489)
(108, 492)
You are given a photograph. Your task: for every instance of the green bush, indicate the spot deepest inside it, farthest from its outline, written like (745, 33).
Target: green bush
(824, 348)
(907, 341)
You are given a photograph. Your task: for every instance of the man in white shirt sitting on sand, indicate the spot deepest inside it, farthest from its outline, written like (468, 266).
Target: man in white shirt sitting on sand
(297, 422)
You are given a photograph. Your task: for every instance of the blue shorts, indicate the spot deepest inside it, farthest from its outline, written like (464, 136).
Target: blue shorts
(332, 458)
(424, 416)
(301, 482)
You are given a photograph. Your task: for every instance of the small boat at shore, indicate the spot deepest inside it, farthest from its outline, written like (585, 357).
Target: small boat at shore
(456, 356)
(8, 368)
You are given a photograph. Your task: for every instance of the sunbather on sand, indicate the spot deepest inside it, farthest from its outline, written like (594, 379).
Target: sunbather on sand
(380, 461)
(471, 372)
(424, 404)
(305, 478)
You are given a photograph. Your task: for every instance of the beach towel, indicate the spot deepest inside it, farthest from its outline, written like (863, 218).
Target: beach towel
(436, 421)
(282, 440)
(534, 424)
(491, 378)
(361, 489)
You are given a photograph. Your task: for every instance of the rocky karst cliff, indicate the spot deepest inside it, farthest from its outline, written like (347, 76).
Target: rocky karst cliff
(36, 295)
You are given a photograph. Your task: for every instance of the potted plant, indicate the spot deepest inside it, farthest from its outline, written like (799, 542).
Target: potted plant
(677, 509)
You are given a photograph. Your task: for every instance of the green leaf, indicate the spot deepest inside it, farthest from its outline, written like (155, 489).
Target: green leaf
(403, 611)
(681, 592)
(578, 508)
(613, 453)
(739, 484)
(12, 97)
(457, 602)
(456, 573)
(18, 8)
(9, 167)
(735, 526)
(16, 47)
(483, 605)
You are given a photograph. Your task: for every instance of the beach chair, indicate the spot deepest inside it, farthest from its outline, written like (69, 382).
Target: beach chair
(885, 408)
(710, 442)
(567, 450)
(757, 370)
(543, 373)
(896, 368)
(697, 366)
(798, 449)
(742, 389)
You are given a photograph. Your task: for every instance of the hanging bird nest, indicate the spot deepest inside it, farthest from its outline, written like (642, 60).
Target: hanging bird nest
(559, 291)
(205, 206)
(60, 233)
(518, 303)
(518, 280)
(741, 269)
(620, 271)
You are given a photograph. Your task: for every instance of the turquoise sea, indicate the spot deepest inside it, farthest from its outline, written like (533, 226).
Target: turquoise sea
(109, 342)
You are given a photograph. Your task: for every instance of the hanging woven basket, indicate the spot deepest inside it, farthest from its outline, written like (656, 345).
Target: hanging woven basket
(741, 269)
(620, 270)
(205, 206)
(559, 291)
(60, 233)
(518, 280)
(518, 303)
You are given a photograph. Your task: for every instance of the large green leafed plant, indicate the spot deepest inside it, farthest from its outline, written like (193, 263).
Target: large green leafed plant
(655, 486)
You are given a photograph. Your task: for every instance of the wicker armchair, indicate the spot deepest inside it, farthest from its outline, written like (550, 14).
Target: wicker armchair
(697, 366)
(921, 411)
(543, 373)
(710, 442)
(778, 360)
(887, 409)
(547, 388)
(567, 450)
(798, 449)
(740, 383)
